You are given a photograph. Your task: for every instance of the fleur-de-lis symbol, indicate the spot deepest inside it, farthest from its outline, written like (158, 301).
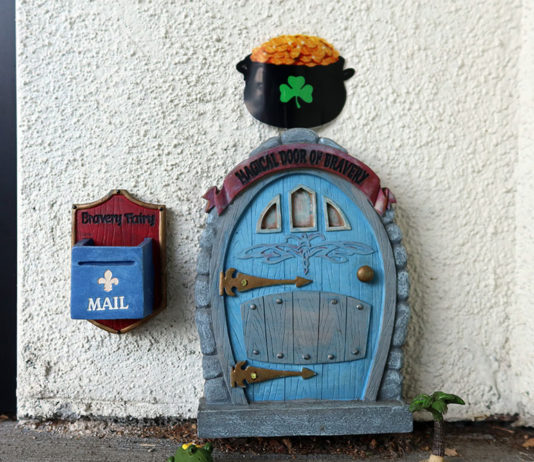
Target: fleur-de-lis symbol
(108, 281)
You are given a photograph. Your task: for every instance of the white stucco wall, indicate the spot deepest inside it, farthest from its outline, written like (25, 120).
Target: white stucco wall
(522, 366)
(144, 95)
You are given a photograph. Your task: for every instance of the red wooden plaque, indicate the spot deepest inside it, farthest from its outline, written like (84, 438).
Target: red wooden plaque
(118, 219)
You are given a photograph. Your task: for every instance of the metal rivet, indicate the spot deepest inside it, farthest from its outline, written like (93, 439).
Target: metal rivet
(356, 352)
(255, 352)
(331, 356)
(360, 307)
(333, 301)
(280, 355)
(279, 301)
(253, 307)
(253, 375)
(306, 356)
(244, 282)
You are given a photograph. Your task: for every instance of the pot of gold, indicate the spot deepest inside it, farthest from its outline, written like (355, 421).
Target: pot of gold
(295, 81)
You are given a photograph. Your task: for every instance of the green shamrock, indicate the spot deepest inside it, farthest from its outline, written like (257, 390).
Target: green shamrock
(296, 89)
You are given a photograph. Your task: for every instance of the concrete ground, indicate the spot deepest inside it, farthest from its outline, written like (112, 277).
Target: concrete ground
(29, 443)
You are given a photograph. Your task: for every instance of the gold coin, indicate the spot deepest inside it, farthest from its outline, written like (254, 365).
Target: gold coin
(294, 53)
(302, 50)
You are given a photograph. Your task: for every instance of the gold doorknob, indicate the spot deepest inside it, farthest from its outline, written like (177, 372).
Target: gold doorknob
(365, 273)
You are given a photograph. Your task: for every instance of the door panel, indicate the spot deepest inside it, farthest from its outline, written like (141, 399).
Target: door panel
(279, 327)
(332, 328)
(305, 332)
(305, 328)
(253, 315)
(330, 259)
(358, 314)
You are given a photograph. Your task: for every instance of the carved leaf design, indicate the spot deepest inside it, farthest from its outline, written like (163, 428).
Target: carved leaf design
(271, 253)
(339, 251)
(333, 251)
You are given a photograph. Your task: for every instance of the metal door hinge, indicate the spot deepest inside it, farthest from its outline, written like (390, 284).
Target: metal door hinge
(250, 374)
(242, 282)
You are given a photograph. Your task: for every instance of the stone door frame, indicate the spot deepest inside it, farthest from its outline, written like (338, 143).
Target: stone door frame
(215, 357)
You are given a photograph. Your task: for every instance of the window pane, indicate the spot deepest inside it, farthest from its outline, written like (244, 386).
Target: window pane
(303, 213)
(335, 219)
(270, 220)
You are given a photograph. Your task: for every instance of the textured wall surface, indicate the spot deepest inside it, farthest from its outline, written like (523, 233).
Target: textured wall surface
(144, 95)
(522, 366)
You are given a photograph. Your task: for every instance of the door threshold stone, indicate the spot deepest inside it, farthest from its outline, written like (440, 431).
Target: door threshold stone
(311, 418)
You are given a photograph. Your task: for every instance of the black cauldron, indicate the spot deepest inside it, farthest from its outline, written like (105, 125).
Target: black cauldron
(294, 96)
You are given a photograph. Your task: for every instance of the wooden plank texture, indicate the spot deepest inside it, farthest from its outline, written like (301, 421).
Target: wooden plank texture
(332, 328)
(253, 315)
(359, 379)
(306, 326)
(279, 327)
(358, 325)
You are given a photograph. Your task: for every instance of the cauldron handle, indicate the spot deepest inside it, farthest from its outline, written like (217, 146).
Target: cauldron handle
(242, 67)
(348, 73)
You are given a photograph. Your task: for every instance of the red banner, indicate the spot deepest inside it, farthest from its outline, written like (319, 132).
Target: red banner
(299, 156)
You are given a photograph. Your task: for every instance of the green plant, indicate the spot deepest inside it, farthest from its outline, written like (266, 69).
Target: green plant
(437, 405)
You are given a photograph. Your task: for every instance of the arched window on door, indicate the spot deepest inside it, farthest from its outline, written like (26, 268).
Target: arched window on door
(302, 203)
(334, 216)
(270, 220)
(302, 209)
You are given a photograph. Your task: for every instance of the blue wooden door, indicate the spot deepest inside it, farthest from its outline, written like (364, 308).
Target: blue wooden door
(304, 225)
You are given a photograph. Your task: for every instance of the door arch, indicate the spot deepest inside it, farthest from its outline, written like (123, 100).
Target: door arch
(385, 380)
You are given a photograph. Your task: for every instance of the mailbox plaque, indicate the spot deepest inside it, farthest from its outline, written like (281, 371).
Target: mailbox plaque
(118, 261)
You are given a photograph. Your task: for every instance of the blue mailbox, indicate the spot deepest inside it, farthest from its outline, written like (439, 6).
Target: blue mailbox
(112, 282)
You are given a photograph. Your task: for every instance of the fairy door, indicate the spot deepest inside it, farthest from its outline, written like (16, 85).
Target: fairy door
(314, 277)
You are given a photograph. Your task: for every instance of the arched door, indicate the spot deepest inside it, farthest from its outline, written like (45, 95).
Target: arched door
(311, 225)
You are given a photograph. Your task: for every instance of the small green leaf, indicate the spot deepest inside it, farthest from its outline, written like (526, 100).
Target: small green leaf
(415, 407)
(285, 93)
(456, 400)
(421, 402)
(296, 82)
(448, 398)
(306, 94)
(440, 406)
